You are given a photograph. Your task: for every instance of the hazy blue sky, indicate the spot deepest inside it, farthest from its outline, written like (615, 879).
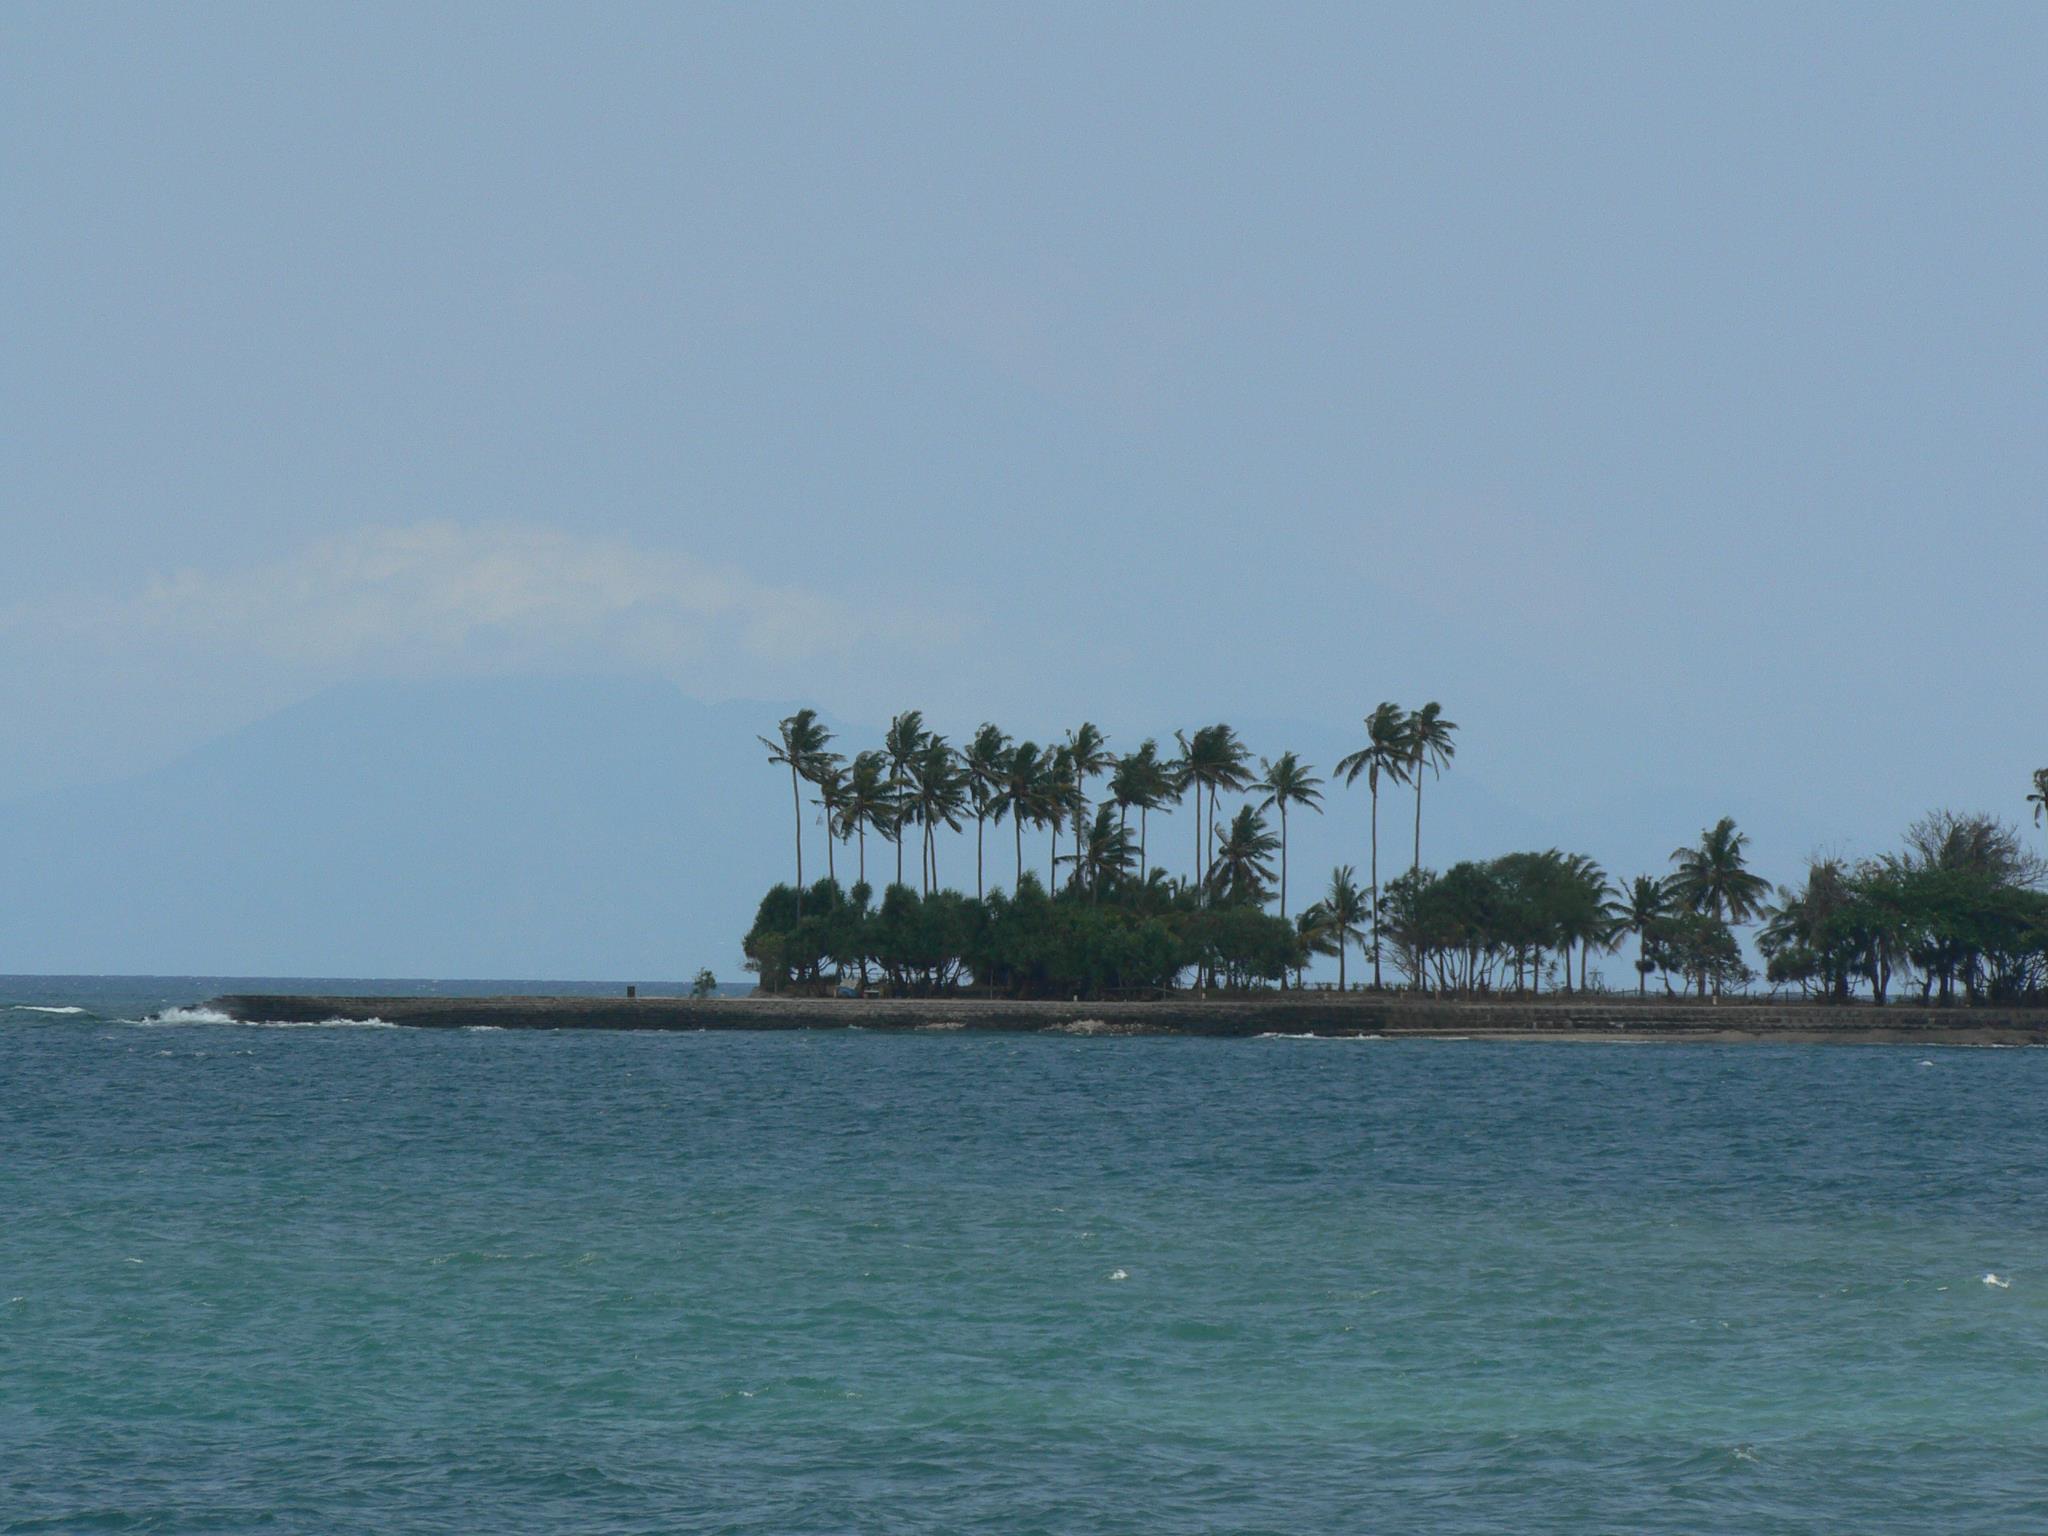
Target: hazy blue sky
(1662, 388)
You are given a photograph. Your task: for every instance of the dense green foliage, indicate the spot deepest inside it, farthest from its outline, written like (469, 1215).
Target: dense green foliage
(1127, 939)
(1480, 927)
(1959, 909)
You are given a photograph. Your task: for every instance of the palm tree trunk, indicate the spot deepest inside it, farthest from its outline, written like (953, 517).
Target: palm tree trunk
(1341, 987)
(1283, 858)
(1017, 826)
(797, 799)
(978, 893)
(863, 829)
(1374, 785)
(1418, 819)
(1144, 872)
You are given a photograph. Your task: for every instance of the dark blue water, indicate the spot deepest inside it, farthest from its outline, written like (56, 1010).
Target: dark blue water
(348, 1279)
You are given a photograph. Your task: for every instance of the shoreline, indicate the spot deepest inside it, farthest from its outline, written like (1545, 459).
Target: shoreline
(1328, 1015)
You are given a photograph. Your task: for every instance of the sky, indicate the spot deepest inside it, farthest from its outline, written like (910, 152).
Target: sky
(1660, 388)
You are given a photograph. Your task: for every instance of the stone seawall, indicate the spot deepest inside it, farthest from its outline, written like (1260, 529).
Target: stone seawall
(1310, 1013)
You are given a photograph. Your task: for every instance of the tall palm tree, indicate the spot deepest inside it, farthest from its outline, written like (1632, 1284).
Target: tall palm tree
(1126, 781)
(1714, 879)
(938, 794)
(800, 742)
(985, 762)
(1142, 782)
(1429, 746)
(2039, 798)
(1344, 911)
(1180, 778)
(1158, 787)
(1051, 800)
(1581, 911)
(1017, 793)
(1242, 869)
(1285, 781)
(1090, 751)
(1216, 760)
(869, 802)
(1635, 911)
(830, 782)
(900, 743)
(1385, 754)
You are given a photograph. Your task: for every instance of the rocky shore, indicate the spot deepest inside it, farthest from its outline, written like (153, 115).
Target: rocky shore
(1310, 1013)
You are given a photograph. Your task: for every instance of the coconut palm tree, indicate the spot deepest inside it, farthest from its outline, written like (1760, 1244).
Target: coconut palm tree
(1216, 760)
(1242, 869)
(1343, 914)
(985, 762)
(1104, 850)
(1634, 912)
(868, 802)
(1429, 746)
(1384, 755)
(900, 744)
(830, 782)
(1285, 781)
(938, 796)
(1052, 803)
(1125, 784)
(2039, 798)
(1158, 787)
(1580, 911)
(1024, 766)
(1714, 877)
(799, 743)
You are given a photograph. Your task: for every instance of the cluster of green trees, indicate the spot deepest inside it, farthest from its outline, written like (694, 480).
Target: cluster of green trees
(1130, 940)
(1960, 909)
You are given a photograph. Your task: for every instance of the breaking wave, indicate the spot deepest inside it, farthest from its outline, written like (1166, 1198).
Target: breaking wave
(215, 1016)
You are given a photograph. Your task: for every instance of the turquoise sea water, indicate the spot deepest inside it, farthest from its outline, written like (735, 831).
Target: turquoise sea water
(361, 1279)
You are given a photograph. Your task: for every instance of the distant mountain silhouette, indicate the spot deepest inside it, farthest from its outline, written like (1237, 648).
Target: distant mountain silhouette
(509, 828)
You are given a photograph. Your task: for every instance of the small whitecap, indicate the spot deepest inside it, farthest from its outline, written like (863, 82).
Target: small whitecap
(41, 1008)
(186, 1016)
(1926, 1063)
(1119, 1274)
(1993, 1280)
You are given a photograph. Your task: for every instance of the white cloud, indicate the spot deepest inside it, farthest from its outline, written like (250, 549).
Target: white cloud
(436, 595)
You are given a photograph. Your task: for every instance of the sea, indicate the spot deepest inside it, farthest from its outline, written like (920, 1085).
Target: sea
(331, 1279)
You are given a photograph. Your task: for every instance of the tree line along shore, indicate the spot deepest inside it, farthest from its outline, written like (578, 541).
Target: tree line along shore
(1956, 915)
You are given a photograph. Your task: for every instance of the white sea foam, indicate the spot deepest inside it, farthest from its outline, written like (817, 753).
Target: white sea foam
(40, 1008)
(490, 1029)
(215, 1016)
(1280, 1035)
(186, 1016)
(1993, 1280)
(1119, 1274)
